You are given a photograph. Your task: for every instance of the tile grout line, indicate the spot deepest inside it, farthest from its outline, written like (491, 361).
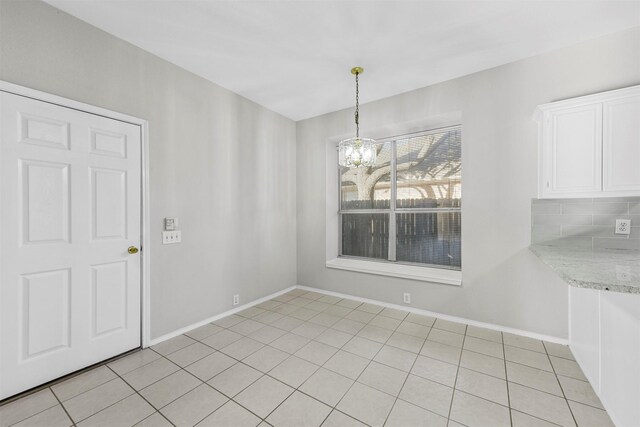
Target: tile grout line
(341, 348)
(180, 368)
(464, 367)
(506, 378)
(275, 379)
(566, 401)
(335, 407)
(37, 413)
(332, 408)
(90, 389)
(267, 374)
(297, 389)
(203, 382)
(455, 382)
(395, 330)
(146, 418)
(522, 385)
(409, 373)
(118, 376)
(143, 398)
(374, 356)
(356, 380)
(557, 376)
(50, 384)
(577, 401)
(60, 403)
(230, 399)
(537, 418)
(500, 378)
(368, 364)
(109, 406)
(93, 388)
(63, 407)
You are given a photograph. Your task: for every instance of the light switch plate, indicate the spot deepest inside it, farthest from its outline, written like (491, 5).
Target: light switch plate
(170, 224)
(170, 237)
(623, 226)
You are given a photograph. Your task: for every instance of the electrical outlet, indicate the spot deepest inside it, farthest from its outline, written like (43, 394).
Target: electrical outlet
(170, 237)
(623, 226)
(236, 299)
(407, 298)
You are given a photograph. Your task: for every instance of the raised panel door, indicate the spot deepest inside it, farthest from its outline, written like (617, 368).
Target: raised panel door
(71, 193)
(573, 152)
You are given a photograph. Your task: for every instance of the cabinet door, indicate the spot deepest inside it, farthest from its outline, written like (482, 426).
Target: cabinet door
(620, 349)
(621, 146)
(584, 331)
(572, 152)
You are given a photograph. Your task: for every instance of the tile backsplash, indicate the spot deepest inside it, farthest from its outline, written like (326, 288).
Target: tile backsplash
(585, 223)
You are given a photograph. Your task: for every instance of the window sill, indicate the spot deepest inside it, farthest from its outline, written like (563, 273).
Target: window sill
(425, 274)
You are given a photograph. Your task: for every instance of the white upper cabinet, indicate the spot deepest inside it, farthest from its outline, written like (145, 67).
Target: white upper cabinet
(590, 146)
(573, 151)
(621, 145)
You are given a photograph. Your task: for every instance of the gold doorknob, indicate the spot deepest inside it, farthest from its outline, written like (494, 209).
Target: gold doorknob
(132, 250)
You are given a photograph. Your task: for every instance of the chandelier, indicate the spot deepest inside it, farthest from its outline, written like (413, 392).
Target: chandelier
(357, 152)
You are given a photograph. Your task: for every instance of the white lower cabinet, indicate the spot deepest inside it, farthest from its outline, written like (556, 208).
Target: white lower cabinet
(605, 339)
(585, 332)
(620, 356)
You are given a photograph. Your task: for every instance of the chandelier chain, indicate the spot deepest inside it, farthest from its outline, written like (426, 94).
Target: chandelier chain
(357, 113)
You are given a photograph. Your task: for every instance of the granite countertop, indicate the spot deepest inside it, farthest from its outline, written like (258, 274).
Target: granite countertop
(602, 269)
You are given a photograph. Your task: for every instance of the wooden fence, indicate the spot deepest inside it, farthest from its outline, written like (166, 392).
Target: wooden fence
(431, 238)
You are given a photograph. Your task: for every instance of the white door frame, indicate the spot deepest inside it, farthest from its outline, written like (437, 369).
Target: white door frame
(145, 238)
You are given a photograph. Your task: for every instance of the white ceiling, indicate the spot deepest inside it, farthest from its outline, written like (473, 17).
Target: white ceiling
(294, 57)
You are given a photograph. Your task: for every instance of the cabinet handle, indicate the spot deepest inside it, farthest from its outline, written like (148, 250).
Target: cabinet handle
(547, 184)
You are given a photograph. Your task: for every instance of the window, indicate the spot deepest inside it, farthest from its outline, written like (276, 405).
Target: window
(407, 208)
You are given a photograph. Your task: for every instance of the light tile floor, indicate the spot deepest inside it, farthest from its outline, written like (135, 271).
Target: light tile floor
(308, 359)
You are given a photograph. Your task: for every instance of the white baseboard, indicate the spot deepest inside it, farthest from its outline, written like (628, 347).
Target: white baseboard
(181, 331)
(455, 319)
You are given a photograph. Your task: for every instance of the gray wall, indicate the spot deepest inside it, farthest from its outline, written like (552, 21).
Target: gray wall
(227, 168)
(585, 223)
(503, 283)
(220, 163)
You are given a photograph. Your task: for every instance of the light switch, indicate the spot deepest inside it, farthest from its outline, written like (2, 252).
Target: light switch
(170, 224)
(170, 237)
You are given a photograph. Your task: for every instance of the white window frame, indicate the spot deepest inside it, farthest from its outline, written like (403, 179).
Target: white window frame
(380, 267)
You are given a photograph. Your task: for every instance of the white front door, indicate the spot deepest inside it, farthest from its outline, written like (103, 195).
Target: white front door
(70, 209)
